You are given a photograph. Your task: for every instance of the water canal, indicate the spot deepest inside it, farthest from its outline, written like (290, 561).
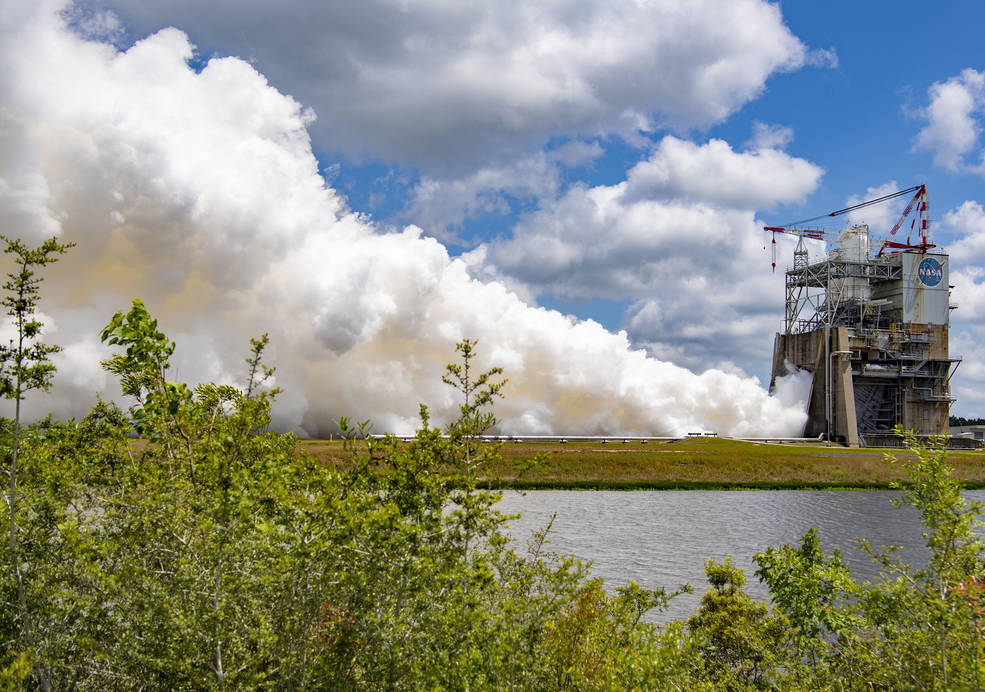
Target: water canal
(663, 538)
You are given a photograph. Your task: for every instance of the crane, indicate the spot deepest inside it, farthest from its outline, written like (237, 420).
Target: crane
(920, 224)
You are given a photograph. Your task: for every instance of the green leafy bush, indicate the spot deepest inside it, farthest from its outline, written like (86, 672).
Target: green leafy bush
(211, 553)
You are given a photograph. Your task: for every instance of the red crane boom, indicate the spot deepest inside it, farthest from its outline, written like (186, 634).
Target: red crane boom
(918, 202)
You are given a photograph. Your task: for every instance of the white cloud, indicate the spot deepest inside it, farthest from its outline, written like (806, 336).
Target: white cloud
(679, 215)
(952, 119)
(767, 136)
(442, 205)
(968, 384)
(79, 364)
(576, 153)
(823, 57)
(445, 85)
(880, 217)
(968, 223)
(679, 238)
(968, 294)
(98, 25)
(716, 174)
(198, 192)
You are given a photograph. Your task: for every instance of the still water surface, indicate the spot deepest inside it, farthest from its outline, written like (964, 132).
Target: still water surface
(663, 538)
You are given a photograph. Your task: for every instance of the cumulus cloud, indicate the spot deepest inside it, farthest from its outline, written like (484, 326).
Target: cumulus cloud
(967, 222)
(716, 174)
(197, 191)
(879, 217)
(441, 206)
(968, 386)
(681, 226)
(99, 25)
(969, 294)
(953, 116)
(823, 57)
(576, 153)
(444, 85)
(767, 136)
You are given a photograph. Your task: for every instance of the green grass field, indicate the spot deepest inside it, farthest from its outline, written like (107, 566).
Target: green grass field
(694, 463)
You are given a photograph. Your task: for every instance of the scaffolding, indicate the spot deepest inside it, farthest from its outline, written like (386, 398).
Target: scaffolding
(874, 333)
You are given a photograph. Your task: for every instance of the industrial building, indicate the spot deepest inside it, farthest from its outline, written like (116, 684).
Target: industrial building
(872, 328)
(971, 432)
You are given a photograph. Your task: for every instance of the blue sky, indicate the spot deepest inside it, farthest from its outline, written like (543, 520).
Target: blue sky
(614, 161)
(858, 118)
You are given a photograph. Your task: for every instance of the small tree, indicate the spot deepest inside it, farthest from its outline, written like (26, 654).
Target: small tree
(162, 405)
(478, 392)
(259, 372)
(912, 628)
(743, 645)
(25, 364)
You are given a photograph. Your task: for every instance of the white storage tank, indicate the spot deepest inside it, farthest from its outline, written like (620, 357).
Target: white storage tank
(853, 246)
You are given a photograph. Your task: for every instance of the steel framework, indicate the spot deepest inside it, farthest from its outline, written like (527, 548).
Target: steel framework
(844, 320)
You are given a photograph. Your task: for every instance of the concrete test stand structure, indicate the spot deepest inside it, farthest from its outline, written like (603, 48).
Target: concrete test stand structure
(873, 331)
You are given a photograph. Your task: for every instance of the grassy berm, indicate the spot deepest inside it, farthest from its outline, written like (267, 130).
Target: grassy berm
(704, 463)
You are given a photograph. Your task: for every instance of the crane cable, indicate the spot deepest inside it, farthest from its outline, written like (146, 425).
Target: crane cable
(892, 195)
(856, 206)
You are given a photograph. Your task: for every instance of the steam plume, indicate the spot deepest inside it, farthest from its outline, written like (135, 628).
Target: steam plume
(198, 192)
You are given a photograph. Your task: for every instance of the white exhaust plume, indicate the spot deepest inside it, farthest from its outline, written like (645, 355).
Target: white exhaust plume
(198, 192)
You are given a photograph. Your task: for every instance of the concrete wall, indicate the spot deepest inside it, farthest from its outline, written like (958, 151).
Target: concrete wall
(806, 351)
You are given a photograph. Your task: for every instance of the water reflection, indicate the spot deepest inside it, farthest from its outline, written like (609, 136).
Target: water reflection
(663, 538)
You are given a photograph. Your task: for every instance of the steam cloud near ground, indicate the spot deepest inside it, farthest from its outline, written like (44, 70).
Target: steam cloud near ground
(198, 192)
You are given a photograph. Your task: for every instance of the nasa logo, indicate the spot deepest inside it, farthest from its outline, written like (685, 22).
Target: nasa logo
(930, 272)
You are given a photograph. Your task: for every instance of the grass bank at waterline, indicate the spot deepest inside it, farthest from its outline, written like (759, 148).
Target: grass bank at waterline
(705, 463)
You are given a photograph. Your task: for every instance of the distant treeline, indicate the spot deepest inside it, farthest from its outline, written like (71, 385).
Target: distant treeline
(957, 421)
